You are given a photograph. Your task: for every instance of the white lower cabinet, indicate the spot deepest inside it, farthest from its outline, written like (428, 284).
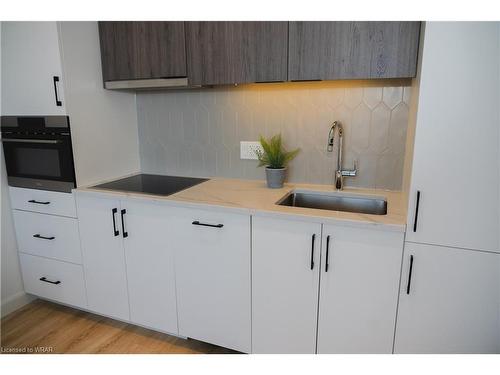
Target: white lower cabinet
(360, 271)
(271, 285)
(128, 260)
(449, 302)
(212, 259)
(351, 274)
(285, 281)
(176, 270)
(103, 255)
(150, 265)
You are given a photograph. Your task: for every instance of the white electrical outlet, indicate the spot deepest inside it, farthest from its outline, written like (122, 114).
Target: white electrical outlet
(248, 150)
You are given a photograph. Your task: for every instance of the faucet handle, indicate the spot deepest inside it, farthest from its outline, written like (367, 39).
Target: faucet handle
(351, 172)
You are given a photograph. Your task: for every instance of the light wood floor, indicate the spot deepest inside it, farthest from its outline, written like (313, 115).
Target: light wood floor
(43, 324)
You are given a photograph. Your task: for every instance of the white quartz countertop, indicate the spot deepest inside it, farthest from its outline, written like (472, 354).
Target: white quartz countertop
(253, 197)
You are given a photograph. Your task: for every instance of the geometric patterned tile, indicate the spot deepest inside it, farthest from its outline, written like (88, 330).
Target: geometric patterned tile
(197, 132)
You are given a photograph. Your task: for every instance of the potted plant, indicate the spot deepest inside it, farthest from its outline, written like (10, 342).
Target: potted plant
(275, 158)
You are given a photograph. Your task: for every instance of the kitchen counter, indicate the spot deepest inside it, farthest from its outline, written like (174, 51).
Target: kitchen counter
(254, 198)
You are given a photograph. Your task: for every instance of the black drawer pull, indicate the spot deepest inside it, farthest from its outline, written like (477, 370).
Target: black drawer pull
(416, 211)
(327, 251)
(312, 250)
(37, 202)
(196, 222)
(124, 232)
(45, 280)
(43, 237)
(409, 275)
(113, 213)
(58, 102)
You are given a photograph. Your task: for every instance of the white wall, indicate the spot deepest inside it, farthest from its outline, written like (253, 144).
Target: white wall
(103, 123)
(12, 291)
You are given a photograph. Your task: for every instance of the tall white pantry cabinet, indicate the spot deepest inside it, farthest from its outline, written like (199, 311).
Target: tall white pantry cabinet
(450, 286)
(32, 70)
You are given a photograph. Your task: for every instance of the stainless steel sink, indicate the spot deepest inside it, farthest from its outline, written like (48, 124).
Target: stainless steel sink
(335, 202)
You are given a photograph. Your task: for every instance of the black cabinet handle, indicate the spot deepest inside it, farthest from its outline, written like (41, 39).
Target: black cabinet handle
(409, 275)
(327, 251)
(124, 232)
(45, 280)
(416, 211)
(37, 202)
(43, 238)
(113, 213)
(312, 250)
(58, 102)
(196, 222)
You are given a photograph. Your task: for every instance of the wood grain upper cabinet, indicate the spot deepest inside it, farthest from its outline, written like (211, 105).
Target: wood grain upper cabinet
(236, 52)
(142, 50)
(352, 50)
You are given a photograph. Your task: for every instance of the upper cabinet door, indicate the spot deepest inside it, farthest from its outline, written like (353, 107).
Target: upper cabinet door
(142, 50)
(456, 153)
(352, 50)
(32, 82)
(236, 52)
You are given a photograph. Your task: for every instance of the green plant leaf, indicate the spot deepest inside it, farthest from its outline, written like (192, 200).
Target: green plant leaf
(274, 154)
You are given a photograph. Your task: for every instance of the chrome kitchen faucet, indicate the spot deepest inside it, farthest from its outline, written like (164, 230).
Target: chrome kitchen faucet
(339, 173)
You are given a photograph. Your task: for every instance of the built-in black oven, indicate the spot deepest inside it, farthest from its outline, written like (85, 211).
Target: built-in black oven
(38, 152)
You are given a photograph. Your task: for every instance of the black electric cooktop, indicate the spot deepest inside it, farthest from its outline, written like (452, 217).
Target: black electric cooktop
(152, 184)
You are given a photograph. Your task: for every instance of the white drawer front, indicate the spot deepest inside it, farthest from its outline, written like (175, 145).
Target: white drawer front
(64, 282)
(43, 201)
(48, 236)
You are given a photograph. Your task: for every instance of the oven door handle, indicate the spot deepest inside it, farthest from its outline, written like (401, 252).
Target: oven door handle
(23, 140)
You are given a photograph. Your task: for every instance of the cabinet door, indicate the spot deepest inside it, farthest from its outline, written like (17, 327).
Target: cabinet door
(285, 281)
(347, 50)
(150, 265)
(212, 251)
(103, 256)
(141, 50)
(236, 52)
(360, 273)
(451, 302)
(457, 137)
(30, 61)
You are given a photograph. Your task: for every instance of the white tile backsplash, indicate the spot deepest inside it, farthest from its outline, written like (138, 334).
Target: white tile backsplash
(197, 132)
